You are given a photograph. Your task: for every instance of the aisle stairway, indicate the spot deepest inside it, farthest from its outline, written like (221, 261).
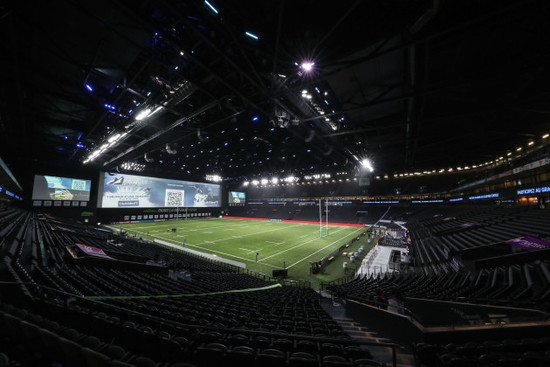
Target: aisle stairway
(361, 333)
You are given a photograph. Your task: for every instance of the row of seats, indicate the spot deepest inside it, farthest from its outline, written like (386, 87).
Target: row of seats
(526, 285)
(526, 352)
(284, 325)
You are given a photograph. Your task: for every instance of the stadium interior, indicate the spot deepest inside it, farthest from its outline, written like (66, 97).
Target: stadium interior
(190, 183)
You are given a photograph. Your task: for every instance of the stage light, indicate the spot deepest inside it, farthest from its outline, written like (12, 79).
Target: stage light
(89, 87)
(143, 114)
(254, 118)
(307, 66)
(531, 143)
(545, 136)
(113, 138)
(367, 164)
(211, 6)
(251, 35)
(518, 149)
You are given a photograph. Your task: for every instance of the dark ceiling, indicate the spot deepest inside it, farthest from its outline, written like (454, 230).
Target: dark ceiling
(411, 85)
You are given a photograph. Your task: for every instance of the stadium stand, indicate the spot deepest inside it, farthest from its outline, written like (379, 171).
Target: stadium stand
(448, 278)
(60, 311)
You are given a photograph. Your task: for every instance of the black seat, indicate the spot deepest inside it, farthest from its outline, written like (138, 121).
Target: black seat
(271, 358)
(210, 354)
(241, 355)
(302, 359)
(335, 361)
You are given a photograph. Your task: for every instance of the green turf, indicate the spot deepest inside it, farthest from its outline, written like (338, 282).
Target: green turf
(293, 244)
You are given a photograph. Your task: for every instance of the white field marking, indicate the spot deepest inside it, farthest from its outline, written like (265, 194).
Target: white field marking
(171, 240)
(321, 249)
(248, 250)
(299, 245)
(227, 229)
(305, 235)
(255, 233)
(236, 236)
(275, 243)
(207, 232)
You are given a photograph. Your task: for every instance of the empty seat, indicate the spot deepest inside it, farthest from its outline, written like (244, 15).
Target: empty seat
(241, 355)
(335, 361)
(94, 359)
(271, 357)
(302, 359)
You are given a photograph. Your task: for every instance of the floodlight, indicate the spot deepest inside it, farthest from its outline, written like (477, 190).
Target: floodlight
(274, 180)
(143, 114)
(264, 181)
(307, 66)
(113, 138)
(211, 6)
(255, 182)
(367, 164)
(251, 35)
(246, 183)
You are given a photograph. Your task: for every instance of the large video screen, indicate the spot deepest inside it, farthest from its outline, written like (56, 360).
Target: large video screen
(117, 190)
(236, 198)
(60, 188)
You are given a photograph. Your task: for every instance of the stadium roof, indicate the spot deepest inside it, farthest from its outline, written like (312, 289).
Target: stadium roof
(223, 86)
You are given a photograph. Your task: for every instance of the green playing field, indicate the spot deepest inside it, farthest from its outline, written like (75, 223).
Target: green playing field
(275, 244)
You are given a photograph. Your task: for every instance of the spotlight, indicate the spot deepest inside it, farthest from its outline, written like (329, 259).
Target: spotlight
(143, 114)
(367, 164)
(251, 35)
(307, 66)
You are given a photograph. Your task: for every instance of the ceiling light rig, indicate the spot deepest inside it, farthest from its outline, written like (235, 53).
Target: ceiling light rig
(309, 99)
(213, 178)
(132, 166)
